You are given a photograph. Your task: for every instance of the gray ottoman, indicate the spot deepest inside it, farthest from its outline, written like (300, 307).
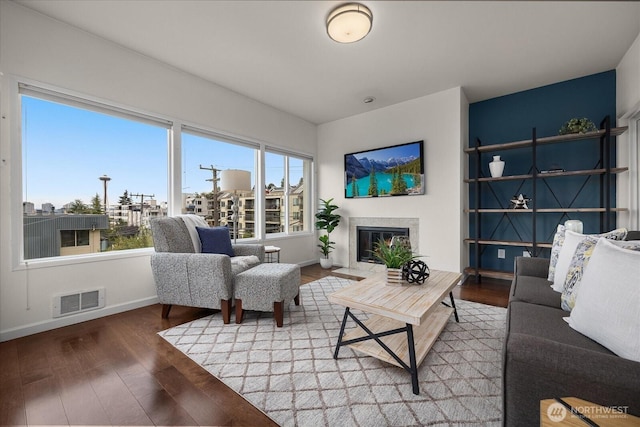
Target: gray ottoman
(266, 287)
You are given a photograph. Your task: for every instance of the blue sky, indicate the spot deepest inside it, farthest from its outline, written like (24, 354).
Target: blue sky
(66, 150)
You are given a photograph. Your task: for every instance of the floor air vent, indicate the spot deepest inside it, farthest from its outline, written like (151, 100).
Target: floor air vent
(66, 304)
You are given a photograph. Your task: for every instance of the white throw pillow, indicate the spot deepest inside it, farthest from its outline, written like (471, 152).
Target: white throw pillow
(192, 221)
(558, 240)
(571, 242)
(607, 307)
(579, 264)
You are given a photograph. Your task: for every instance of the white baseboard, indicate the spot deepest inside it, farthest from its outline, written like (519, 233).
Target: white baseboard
(48, 325)
(309, 262)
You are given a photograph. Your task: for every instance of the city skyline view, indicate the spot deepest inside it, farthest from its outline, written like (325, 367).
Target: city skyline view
(66, 150)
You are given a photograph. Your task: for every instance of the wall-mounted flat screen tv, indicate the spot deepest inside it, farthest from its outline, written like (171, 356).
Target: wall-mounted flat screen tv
(397, 170)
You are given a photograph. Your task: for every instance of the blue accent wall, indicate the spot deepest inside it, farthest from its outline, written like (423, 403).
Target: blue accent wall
(512, 118)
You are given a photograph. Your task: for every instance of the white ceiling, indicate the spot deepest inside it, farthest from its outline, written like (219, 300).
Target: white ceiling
(277, 52)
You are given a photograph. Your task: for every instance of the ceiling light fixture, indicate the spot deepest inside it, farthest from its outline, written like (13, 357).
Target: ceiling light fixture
(349, 22)
(369, 100)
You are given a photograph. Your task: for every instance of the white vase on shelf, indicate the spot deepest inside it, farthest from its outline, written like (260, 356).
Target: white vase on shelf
(573, 225)
(496, 167)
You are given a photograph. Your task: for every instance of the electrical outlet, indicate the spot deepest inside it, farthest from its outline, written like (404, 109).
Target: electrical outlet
(501, 253)
(526, 254)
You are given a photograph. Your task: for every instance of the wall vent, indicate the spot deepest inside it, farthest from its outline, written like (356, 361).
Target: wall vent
(66, 304)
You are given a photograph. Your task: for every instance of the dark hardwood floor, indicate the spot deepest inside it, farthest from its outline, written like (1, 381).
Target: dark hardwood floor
(117, 371)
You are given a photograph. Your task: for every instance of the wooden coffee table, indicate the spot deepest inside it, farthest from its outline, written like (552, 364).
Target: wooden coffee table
(417, 310)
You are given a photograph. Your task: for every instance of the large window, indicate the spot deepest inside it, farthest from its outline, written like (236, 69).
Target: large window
(92, 176)
(287, 202)
(274, 166)
(205, 158)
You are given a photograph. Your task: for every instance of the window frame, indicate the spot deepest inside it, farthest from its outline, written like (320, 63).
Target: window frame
(204, 132)
(19, 87)
(175, 128)
(309, 182)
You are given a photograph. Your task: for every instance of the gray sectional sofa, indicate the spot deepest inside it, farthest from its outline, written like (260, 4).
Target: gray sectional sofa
(544, 358)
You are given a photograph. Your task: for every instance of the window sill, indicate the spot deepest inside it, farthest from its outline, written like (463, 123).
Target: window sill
(62, 261)
(285, 236)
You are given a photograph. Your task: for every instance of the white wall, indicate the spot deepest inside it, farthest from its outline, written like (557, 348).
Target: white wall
(41, 49)
(628, 79)
(628, 108)
(438, 119)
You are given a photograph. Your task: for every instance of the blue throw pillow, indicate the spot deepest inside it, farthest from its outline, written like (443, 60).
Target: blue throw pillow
(215, 240)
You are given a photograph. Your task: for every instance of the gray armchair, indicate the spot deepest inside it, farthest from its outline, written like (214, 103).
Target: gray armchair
(184, 276)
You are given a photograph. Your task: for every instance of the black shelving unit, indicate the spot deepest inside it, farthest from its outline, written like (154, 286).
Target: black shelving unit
(604, 169)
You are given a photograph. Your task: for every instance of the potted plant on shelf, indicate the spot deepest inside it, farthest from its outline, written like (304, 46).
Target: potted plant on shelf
(577, 125)
(394, 257)
(326, 220)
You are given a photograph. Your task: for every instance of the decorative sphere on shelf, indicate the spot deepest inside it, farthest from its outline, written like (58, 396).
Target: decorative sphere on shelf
(415, 272)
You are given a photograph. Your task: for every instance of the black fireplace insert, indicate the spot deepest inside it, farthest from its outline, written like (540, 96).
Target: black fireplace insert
(369, 236)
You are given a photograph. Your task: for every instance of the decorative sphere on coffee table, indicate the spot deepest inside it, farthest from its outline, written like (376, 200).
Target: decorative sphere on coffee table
(415, 272)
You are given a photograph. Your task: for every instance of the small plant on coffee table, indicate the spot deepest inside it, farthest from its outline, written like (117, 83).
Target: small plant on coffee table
(392, 256)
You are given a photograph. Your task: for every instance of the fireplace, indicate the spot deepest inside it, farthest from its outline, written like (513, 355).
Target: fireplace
(410, 224)
(367, 237)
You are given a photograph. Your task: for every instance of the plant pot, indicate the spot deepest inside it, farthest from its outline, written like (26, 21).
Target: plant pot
(496, 167)
(394, 277)
(326, 262)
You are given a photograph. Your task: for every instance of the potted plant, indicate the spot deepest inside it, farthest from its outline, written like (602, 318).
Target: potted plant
(394, 257)
(577, 125)
(326, 220)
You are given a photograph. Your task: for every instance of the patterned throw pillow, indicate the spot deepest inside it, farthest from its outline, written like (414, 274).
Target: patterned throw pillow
(579, 263)
(558, 240)
(571, 242)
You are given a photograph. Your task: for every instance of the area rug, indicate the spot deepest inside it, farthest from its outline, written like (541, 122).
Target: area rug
(289, 373)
